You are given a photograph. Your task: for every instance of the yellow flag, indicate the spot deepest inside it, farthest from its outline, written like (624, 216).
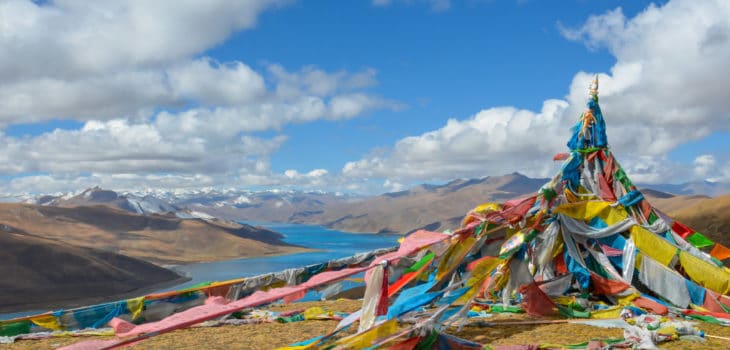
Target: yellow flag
(453, 257)
(705, 274)
(591, 209)
(314, 313)
(135, 306)
(612, 312)
(653, 246)
(479, 274)
(48, 321)
(490, 206)
(366, 339)
(626, 300)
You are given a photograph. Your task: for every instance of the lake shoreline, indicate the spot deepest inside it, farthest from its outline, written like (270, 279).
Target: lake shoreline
(316, 244)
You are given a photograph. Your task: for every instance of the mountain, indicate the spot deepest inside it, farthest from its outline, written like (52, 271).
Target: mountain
(147, 204)
(434, 207)
(703, 188)
(43, 273)
(265, 206)
(160, 239)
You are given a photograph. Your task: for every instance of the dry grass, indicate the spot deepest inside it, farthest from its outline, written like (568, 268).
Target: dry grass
(273, 335)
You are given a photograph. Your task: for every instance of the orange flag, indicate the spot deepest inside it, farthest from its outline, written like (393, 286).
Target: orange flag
(720, 251)
(606, 286)
(651, 305)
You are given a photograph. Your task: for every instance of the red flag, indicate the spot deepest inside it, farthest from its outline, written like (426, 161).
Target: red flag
(515, 209)
(606, 190)
(711, 303)
(681, 230)
(560, 266)
(608, 170)
(645, 208)
(407, 344)
(561, 156)
(535, 301)
(382, 308)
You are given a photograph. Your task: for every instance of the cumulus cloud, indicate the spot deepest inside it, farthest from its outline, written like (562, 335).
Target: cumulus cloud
(704, 165)
(393, 186)
(493, 141)
(152, 104)
(72, 38)
(70, 59)
(669, 85)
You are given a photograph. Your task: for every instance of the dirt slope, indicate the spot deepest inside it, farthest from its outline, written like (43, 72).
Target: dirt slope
(41, 273)
(154, 238)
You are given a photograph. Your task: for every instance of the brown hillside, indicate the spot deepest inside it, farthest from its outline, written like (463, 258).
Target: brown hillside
(669, 202)
(43, 273)
(154, 238)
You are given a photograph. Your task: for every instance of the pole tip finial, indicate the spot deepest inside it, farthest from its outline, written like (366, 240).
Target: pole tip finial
(593, 89)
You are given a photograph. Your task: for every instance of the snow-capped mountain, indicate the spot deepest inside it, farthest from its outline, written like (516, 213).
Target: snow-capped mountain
(97, 196)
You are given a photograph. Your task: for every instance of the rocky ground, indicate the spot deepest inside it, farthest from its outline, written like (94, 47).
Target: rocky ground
(273, 335)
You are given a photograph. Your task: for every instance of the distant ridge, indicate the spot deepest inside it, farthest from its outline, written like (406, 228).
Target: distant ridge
(431, 206)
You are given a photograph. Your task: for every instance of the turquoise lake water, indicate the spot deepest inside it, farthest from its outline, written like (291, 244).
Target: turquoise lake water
(332, 244)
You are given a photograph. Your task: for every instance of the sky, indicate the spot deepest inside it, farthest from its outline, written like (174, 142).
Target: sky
(361, 96)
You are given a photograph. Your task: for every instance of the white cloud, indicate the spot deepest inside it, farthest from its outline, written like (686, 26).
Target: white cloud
(704, 165)
(310, 80)
(313, 178)
(494, 141)
(152, 105)
(71, 38)
(212, 83)
(71, 59)
(392, 186)
(119, 146)
(669, 86)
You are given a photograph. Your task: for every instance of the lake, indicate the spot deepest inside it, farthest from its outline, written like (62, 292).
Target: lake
(332, 244)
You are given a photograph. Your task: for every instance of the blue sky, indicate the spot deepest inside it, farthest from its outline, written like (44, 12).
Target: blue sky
(361, 96)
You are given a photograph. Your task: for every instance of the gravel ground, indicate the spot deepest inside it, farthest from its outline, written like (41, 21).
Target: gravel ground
(273, 335)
